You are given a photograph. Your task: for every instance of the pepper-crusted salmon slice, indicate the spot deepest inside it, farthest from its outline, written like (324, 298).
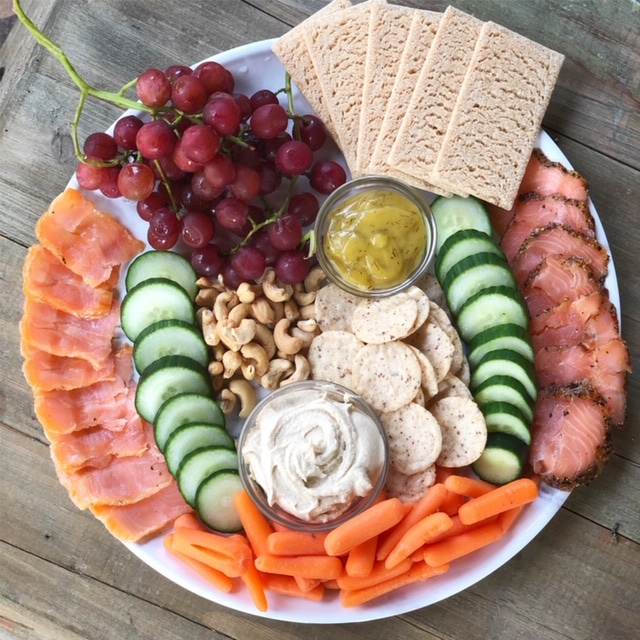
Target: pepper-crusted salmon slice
(88, 241)
(66, 334)
(138, 521)
(47, 280)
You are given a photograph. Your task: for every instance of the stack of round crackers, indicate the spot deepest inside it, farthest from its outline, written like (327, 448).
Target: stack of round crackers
(403, 355)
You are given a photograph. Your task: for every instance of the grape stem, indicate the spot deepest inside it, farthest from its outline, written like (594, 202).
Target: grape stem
(118, 99)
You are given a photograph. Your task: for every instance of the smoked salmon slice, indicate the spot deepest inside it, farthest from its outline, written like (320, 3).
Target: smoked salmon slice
(561, 242)
(66, 334)
(88, 241)
(533, 211)
(546, 177)
(570, 436)
(139, 521)
(555, 280)
(47, 280)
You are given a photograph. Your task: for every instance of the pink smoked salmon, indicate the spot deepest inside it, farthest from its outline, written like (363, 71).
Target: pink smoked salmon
(89, 242)
(138, 521)
(555, 280)
(590, 321)
(47, 280)
(604, 368)
(65, 334)
(123, 481)
(533, 211)
(561, 242)
(103, 403)
(570, 437)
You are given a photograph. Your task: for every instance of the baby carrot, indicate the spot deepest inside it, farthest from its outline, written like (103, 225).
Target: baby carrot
(367, 524)
(429, 503)
(423, 531)
(256, 526)
(469, 487)
(464, 543)
(361, 558)
(255, 586)
(295, 543)
(416, 573)
(286, 585)
(320, 567)
(379, 573)
(215, 577)
(232, 567)
(503, 498)
(307, 584)
(507, 518)
(189, 521)
(452, 503)
(233, 547)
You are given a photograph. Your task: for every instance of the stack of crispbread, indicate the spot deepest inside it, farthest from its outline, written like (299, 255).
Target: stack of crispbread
(446, 102)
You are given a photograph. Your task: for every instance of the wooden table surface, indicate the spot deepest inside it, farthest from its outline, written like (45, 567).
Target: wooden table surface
(62, 575)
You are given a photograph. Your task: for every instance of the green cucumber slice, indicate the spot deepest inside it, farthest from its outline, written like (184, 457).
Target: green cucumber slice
(163, 264)
(214, 501)
(507, 362)
(505, 417)
(502, 388)
(502, 336)
(455, 213)
(502, 460)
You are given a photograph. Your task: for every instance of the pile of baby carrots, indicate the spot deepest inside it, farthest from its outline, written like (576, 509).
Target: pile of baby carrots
(389, 545)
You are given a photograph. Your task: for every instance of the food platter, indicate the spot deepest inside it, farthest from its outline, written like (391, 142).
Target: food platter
(255, 67)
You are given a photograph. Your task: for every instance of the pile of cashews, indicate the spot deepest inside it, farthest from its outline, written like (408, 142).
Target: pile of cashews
(258, 334)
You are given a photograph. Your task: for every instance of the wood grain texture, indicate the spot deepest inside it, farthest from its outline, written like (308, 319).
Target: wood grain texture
(62, 575)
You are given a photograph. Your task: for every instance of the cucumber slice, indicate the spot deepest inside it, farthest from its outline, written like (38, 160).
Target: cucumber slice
(214, 501)
(503, 388)
(168, 377)
(461, 244)
(198, 465)
(169, 338)
(502, 336)
(507, 362)
(474, 273)
(502, 460)
(153, 300)
(191, 436)
(490, 307)
(504, 417)
(455, 213)
(184, 408)
(163, 264)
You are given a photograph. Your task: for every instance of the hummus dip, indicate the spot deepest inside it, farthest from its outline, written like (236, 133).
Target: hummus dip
(314, 453)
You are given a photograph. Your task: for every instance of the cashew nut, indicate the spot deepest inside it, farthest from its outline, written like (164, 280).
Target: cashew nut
(315, 279)
(231, 362)
(224, 302)
(248, 292)
(275, 291)
(305, 336)
(209, 326)
(246, 393)
(302, 370)
(235, 336)
(255, 354)
(263, 312)
(291, 310)
(239, 312)
(285, 342)
(308, 311)
(303, 297)
(227, 401)
(308, 324)
(279, 368)
(215, 368)
(264, 337)
(206, 297)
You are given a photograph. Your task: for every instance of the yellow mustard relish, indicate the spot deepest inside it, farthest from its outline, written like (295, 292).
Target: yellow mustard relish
(376, 239)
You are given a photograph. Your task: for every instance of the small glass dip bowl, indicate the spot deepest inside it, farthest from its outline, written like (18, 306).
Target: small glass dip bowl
(375, 236)
(302, 465)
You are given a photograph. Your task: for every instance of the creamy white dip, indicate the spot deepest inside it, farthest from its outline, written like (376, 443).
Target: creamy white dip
(314, 455)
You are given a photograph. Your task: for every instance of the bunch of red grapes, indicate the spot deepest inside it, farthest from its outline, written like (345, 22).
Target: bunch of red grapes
(217, 172)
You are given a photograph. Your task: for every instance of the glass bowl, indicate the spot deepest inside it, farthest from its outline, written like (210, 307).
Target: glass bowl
(312, 454)
(375, 236)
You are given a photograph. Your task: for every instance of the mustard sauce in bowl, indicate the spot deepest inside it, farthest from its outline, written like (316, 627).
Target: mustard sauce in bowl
(375, 236)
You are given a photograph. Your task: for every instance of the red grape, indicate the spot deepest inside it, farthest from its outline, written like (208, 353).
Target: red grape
(269, 121)
(136, 181)
(304, 206)
(326, 176)
(219, 171)
(232, 213)
(214, 77)
(166, 168)
(244, 103)
(125, 131)
(109, 186)
(100, 145)
(249, 263)
(222, 114)
(285, 233)
(90, 176)
(207, 261)
(164, 229)
(293, 158)
(155, 139)
(261, 241)
(182, 160)
(270, 178)
(230, 276)
(154, 88)
(292, 267)
(197, 229)
(153, 202)
(312, 132)
(262, 97)
(203, 188)
(177, 70)
(188, 94)
(246, 183)
(200, 143)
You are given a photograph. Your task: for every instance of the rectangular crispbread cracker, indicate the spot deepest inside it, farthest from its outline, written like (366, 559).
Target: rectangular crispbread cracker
(291, 49)
(388, 32)
(416, 48)
(512, 78)
(338, 48)
(425, 122)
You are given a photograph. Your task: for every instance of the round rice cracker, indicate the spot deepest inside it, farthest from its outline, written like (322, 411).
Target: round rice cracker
(380, 320)
(386, 375)
(414, 437)
(424, 306)
(464, 431)
(331, 355)
(431, 286)
(429, 380)
(434, 342)
(334, 308)
(409, 488)
(439, 315)
(452, 387)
